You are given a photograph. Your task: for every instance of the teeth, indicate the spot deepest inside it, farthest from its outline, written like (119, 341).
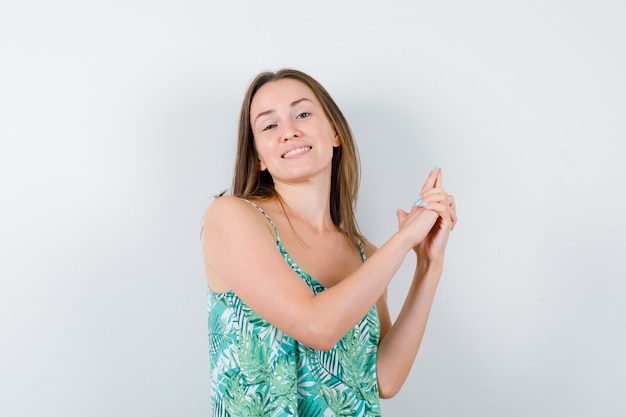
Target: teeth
(296, 151)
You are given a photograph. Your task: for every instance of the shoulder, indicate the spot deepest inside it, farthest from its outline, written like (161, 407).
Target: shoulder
(228, 206)
(224, 204)
(230, 213)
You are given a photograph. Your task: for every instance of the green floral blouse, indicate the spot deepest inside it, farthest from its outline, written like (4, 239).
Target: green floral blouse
(257, 370)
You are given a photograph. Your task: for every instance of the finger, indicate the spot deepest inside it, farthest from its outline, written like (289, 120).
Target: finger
(430, 181)
(436, 194)
(442, 209)
(401, 216)
(444, 213)
(452, 205)
(439, 178)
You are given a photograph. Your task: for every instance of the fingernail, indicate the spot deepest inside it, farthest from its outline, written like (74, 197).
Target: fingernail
(422, 204)
(434, 167)
(417, 200)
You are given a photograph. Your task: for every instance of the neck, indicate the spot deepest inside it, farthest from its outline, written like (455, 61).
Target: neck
(308, 202)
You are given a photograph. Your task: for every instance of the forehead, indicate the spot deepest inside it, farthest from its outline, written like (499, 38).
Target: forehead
(281, 93)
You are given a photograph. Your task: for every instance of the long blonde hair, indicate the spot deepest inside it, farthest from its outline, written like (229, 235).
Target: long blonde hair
(250, 182)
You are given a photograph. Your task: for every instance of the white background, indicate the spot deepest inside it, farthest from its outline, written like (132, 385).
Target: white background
(118, 125)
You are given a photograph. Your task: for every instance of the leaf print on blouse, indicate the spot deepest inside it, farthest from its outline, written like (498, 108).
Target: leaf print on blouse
(257, 370)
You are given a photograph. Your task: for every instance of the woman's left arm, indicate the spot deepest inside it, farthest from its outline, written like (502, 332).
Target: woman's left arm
(400, 342)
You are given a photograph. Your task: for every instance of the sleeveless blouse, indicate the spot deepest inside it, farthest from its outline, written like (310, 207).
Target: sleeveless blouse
(257, 370)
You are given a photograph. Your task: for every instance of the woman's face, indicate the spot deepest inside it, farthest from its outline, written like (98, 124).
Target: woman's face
(293, 137)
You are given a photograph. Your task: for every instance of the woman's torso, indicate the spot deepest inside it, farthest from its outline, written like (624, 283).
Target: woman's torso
(258, 370)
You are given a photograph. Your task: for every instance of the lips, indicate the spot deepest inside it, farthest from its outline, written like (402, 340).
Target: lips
(296, 151)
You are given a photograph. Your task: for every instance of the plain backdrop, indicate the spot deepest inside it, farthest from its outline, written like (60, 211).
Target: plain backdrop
(118, 124)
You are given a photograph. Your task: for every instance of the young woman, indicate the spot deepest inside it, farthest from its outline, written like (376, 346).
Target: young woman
(298, 317)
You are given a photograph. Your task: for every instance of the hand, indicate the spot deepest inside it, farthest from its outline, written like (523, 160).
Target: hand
(434, 200)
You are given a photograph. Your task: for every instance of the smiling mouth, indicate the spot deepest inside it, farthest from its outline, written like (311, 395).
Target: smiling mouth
(296, 151)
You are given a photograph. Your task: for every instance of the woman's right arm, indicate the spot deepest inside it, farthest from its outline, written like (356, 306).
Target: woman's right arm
(240, 253)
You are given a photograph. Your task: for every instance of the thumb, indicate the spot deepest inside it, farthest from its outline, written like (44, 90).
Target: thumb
(401, 216)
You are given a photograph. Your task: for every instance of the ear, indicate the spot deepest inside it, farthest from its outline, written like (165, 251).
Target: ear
(336, 140)
(262, 166)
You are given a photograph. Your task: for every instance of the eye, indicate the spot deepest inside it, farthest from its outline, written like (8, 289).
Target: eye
(268, 127)
(303, 115)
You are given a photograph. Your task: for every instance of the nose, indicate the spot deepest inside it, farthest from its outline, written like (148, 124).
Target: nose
(290, 135)
(290, 131)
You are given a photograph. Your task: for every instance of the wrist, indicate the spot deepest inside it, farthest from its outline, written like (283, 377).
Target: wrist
(401, 240)
(428, 266)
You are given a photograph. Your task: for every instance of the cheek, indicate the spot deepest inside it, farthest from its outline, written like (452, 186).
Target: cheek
(259, 153)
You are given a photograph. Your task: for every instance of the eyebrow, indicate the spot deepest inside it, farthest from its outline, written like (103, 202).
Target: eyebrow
(266, 112)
